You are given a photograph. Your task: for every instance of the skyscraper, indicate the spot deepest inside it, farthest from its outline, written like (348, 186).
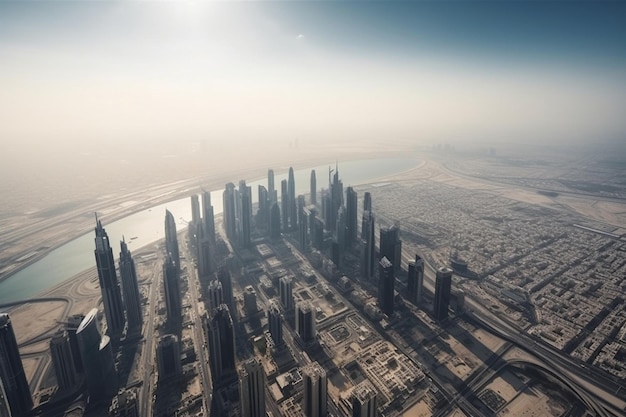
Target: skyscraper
(415, 280)
(275, 221)
(171, 239)
(12, 371)
(230, 216)
(244, 215)
(132, 301)
(5, 410)
(443, 289)
(271, 190)
(221, 346)
(208, 218)
(249, 300)
(364, 402)
(336, 196)
(224, 277)
(340, 235)
(72, 325)
(284, 205)
(62, 360)
(313, 187)
(275, 322)
(252, 389)
(391, 245)
(367, 201)
(386, 283)
(303, 225)
(368, 249)
(285, 291)
(315, 396)
(111, 295)
(195, 209)
(204, 256)
(305, 321)
(291, 192)
(168, 358)
(263, 214)
(351, 216)
(216, 295)
(171, 284)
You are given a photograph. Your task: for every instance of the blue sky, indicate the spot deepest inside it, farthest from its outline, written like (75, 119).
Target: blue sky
(77, 72)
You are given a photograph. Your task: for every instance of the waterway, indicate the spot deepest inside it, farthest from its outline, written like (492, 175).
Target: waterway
(145, 227)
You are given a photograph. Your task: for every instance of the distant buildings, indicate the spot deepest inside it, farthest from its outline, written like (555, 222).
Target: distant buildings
(12, 371)
(252, 389)
(132, 300)
(364, 400)
(313, 187)
(291, 201)
(386, 283)
(305, 321)
(168, 358)
(415, 280)
(443, 289)
(221, 337)
(314, 402)
(62, 360)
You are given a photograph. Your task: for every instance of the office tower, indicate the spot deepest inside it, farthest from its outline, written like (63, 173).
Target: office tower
(130, 288)
(223, 276)
(244, 215)
(305, 321)
(336, 196)
(72, 325)
(208, 218)
(285, 291)
(303, 224)
(415, 280)
(221, 345)
(97, 357)
(315, 390)
(275, 322)
(171, 284)
(204, 254)
(340, 234)
(391, 245)
(293, 209)
(124, 404)
(443, 289)
(313, 187)
(171, 239)
(275, 221)
(386, 283)
(230, 216)
(195, 209)
(367, 201)
(12, 371)
(284, 205)
(252, 389)
(62, 360)
(363, 400)
(368, 249)
(216, 295)
(263, 214)
(111, 295)
(271, 190)
(5, 410)
(168, 357)
(249, 300)
(327, 210)
(351, 216)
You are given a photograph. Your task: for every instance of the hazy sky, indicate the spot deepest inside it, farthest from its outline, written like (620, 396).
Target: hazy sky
(128, 72)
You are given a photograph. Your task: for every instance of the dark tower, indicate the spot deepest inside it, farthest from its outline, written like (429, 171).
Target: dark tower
(168, 357)
(171, 283)
(111, 295)
(305, 321)
(208, 218)
(171, 239)
(244, 214)
(313, 187)
(443, 289)
(385, 286)
(216, 295)
(132, 302)
(367, 201)
(415, 280)
(368, 249)
(73, 322)
(293, 208)
(275, 221)
(12, 371)
(195, 209)
(62, 360)
(284, 205)
(275, 321)
(271, 190)
(223, 276)
(221, 346)
(252, 389)
(230, 224)
(263, 214)
(315, 391)
(364, 402)
(391, 245)
(351, 216)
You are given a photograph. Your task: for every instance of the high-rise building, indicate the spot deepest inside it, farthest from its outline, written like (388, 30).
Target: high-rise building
(230, 215)
(249, 300)
(327, 212)
(293, 208)
(171, 239)
(62, 360)
(204, 254)
(284, 205)
(368, 247)
(415, 280)
(364, 402)
(252, 389)
(208, 218)
(305, 321)
(72, 325)
(340, 235)
(12, 371)
(285, 291)
(244, 215)
(391, 245)
(303, 225)
(221, 346)
(216, 295)
(224, 277)
(130, 288)
(336, 196)
(313, 187)
(315, 396)
(97, 356)
(124, 404)
(275, 221)
(111, 294)
(195, 209)
(271, 190)
(263, 214)
(5, 410)
(171, 284)
(275, 322)
(168, 358)
(443, 290)
(386, 283)
(367, 201)
(351, 216)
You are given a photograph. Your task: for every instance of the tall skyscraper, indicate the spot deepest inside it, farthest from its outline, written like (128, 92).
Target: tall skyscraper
(5, 410)
(391, 245)
(364, 402)
(315, 396)
(285, 291)
(230, 216)
(171, 284)
(204, 254)
(244, 215)
(208, 218)
(293, 208)
(124, 404)
(443, 290)
(62, 360)
(313, 187)
(284, 205)
(336, 196)
(305, 321)
(275, 322)
(224, 277)
(351, 216)
(12, 371)
(415, 280)
(386, 283)
(275, 221)
(271, 190)
(221, 346)
(263, 214)
(168, 357)
(97, 356)
(368, 249)
(216, 295)
(132, 301)
(367, 201)
(340, 235)
(111, 294)
(303, 225)
(252, 389)
(171, 239)
(195, 209)
(72, 325)
(249, 300)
